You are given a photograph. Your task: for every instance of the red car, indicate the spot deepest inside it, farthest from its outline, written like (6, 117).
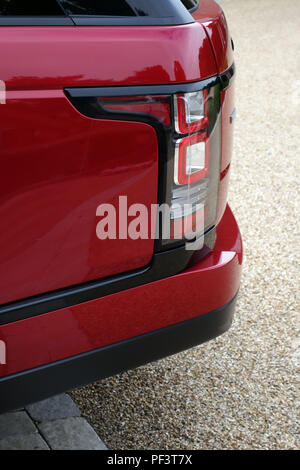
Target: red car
(111, 112)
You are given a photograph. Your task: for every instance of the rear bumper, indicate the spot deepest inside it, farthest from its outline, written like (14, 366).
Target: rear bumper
(41, 382)
(57, 351)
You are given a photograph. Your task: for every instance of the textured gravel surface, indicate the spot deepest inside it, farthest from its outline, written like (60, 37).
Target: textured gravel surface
(239, 391)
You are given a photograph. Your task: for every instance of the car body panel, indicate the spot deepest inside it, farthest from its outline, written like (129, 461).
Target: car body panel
(212, 17)
(206, 286)
(228, 118)
(58, 166)
(103, 56)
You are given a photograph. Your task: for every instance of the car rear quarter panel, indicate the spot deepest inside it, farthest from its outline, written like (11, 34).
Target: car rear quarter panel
(57, 57)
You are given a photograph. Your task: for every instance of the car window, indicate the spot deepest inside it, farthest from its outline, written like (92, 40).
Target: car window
(121, 7)
(30, 8)
(98, 8)
(95, 12)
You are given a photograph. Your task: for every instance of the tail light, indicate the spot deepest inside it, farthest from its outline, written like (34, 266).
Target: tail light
(191, 159)
(189, 134)
(196, 162)
(190, 112)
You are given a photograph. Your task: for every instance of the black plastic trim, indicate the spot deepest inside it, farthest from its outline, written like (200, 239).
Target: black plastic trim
(133, 90)
(129, 21)
(148, 12)
(30, 386)
(227, 77)
(36, 21)
(168, 89)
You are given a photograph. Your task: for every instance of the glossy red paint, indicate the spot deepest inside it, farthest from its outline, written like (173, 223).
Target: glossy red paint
(54, 175)
(75, 56)
(228, 235)
(57, 166)
(206, 286)
(211, 15)
(223, 193)
(75, 156)
(227, 114)
(227, 117)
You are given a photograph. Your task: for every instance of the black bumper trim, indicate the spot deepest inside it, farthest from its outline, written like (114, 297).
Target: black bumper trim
(26, 387)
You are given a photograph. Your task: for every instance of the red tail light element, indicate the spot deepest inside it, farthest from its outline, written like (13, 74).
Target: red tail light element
(191, 159)
(157, 106)
(196, 161)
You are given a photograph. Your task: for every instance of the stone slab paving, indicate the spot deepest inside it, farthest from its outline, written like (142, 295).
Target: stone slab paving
(16, 423)
(71, 434)
(58, 407)
(24, 442)
(53, 424)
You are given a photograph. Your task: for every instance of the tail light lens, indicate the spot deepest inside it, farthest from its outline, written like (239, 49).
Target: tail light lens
(191, 159)
(196, 162)
(190, 112)
(189, 126)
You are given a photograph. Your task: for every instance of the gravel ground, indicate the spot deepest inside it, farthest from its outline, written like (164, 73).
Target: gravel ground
(239, 391)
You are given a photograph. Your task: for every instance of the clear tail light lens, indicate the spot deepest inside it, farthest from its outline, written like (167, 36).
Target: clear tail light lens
(196, 162)
(190, 112)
